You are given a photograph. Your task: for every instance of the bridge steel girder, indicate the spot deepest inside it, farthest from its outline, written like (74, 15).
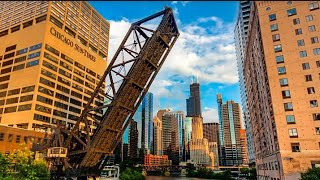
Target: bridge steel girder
(124, 91)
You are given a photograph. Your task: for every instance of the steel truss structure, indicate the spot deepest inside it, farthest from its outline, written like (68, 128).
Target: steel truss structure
(122, 88)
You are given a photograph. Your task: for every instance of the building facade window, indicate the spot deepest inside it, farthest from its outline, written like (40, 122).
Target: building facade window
(52, 50)
(313, 103)
(314, 40)
(276, 37)
(26, 98)
(298, 31)
(281, 70)
(296, 21)
(292, 12)
(35, 47)
(316, 116)
(1, 136)
(22, 51)
(312, 28)
(41, 118)
(311, 90)
(305, 66)
(317, 130)
(293, 132)
(272, 17)
(309, 18)
(316, 51)
(313, 6)
(34, 55)
(295, 147)
(288, 106)
(308, 77)
(303, 54)
(44, 100)
(25, 107)
(274, 27)
(286, 94)
(18, 138)
(284, 82)
(32, 63)
(300, 42)
(278, 48)
(279, 59)
(43, 109)
(290, 119)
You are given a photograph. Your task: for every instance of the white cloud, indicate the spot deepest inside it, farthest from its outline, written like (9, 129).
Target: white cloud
(204, 50)
(210, 115)
(183, 3)
(118, 30)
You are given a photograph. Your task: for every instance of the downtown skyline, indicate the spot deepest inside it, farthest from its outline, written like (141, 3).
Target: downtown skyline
(216, 49)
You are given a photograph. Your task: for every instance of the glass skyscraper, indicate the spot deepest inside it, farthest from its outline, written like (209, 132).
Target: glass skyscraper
(230, 153)
(241, 36)
(180, 116)
(187, 137)
(144, 116)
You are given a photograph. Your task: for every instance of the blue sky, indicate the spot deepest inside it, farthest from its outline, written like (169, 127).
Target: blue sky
(205, 49)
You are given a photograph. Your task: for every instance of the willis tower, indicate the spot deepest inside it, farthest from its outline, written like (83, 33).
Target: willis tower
(193, 102)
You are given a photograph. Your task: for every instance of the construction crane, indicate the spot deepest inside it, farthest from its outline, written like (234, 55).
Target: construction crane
(81, 151)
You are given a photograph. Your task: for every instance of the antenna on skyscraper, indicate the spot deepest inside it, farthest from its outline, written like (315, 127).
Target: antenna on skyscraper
(197, 78)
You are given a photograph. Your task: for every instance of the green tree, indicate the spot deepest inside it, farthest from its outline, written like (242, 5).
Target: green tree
(253, 173)
(130, 174)
(311, 174)
(4, 166)
(25, 167)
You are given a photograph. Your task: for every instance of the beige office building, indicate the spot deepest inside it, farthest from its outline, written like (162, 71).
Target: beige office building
(52, 55)
(282, 79)
(201, 150)
(157, 132)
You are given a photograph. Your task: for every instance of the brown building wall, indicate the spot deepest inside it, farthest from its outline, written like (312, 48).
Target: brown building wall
(275, 157)
(244, 149)
(12, 138)
(211, 132)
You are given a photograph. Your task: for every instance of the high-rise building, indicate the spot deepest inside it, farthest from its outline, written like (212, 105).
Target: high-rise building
(157, 133)
(193, 102)
(199, 147)
(53, 53)
(144, 118)
(244, 147)
(241, 36)
(170, 137)
(281, 73)
(117, 153)
(133, 140)
(221, 123)
(187, 137)
(211, 132)
(125, 151)
(230, 148)
(180, 116)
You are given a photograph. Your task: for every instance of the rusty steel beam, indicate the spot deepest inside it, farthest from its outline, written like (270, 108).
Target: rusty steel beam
(128, 78)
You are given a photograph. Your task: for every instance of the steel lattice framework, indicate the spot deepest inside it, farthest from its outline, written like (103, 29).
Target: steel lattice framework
(123, 86)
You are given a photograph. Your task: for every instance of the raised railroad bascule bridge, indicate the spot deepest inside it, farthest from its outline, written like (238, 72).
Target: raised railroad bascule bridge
(82, 151)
